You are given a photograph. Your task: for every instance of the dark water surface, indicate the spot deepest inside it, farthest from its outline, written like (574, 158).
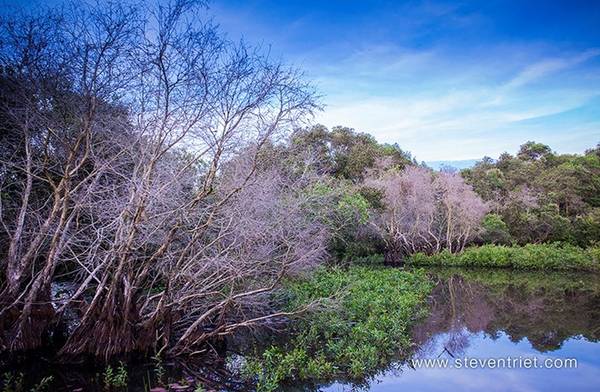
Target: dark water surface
(475, 315)
(525, 319)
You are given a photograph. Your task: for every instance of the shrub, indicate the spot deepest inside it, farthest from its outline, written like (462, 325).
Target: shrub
(555, 256)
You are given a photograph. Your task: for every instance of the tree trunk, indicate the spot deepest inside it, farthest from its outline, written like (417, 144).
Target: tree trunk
(24, 326)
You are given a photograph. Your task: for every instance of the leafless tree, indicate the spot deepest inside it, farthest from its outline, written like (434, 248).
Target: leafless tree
(425, 211)
(117, 123)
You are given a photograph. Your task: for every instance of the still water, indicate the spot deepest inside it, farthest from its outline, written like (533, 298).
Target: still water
(515, 328)
(493, 317)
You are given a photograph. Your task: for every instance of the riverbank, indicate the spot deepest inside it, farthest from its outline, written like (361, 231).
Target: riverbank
(556, 256)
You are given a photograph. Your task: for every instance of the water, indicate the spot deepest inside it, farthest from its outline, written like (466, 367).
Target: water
(474, 314)
(517, 318)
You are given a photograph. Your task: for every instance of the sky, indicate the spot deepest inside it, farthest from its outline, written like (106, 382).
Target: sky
(445, 80)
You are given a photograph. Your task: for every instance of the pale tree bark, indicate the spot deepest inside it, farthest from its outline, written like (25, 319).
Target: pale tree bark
(120, 180)
(425, 211)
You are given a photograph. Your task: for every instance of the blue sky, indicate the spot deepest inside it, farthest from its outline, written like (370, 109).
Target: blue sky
(445, 80)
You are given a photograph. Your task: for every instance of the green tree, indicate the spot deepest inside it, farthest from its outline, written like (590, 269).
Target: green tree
(532, 151)
(541, 196)
(495, 231)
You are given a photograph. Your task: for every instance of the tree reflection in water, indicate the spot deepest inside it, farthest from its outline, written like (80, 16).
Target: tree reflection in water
(545, 308)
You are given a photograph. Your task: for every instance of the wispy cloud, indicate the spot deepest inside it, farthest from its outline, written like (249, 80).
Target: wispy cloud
(441, 112)
(444, 80)
(547, 67)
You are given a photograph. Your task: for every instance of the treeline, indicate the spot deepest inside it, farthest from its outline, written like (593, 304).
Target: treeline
(539, 196)
(392, 204)
(404, 208)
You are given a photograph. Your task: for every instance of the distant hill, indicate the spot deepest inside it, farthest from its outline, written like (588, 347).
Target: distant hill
(459, 165)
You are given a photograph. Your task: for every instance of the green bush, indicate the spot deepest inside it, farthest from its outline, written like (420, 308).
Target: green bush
(495, 231)
(594, 253)
(369, 325)
(555, 256)
(587, 228)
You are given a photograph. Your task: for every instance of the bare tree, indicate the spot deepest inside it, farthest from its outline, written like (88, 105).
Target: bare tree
(120, 121)
(425, 211)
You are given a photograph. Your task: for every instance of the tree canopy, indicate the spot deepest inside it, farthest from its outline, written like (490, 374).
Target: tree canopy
(543, 196)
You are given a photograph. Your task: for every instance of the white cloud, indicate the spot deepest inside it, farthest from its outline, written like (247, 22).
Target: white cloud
(547, 67)
(440, 101)
(463, 116)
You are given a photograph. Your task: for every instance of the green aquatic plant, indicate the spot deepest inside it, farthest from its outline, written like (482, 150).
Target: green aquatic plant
(115, 378)
(159, 369)
(12, 382)
(369, 325)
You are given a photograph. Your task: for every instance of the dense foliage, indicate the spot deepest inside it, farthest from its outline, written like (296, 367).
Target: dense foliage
(342, 152)
(553, 256)
(368, 327)
(540, 196)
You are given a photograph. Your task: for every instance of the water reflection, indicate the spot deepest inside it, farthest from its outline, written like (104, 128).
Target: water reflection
(499, 314)
(473, 313)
